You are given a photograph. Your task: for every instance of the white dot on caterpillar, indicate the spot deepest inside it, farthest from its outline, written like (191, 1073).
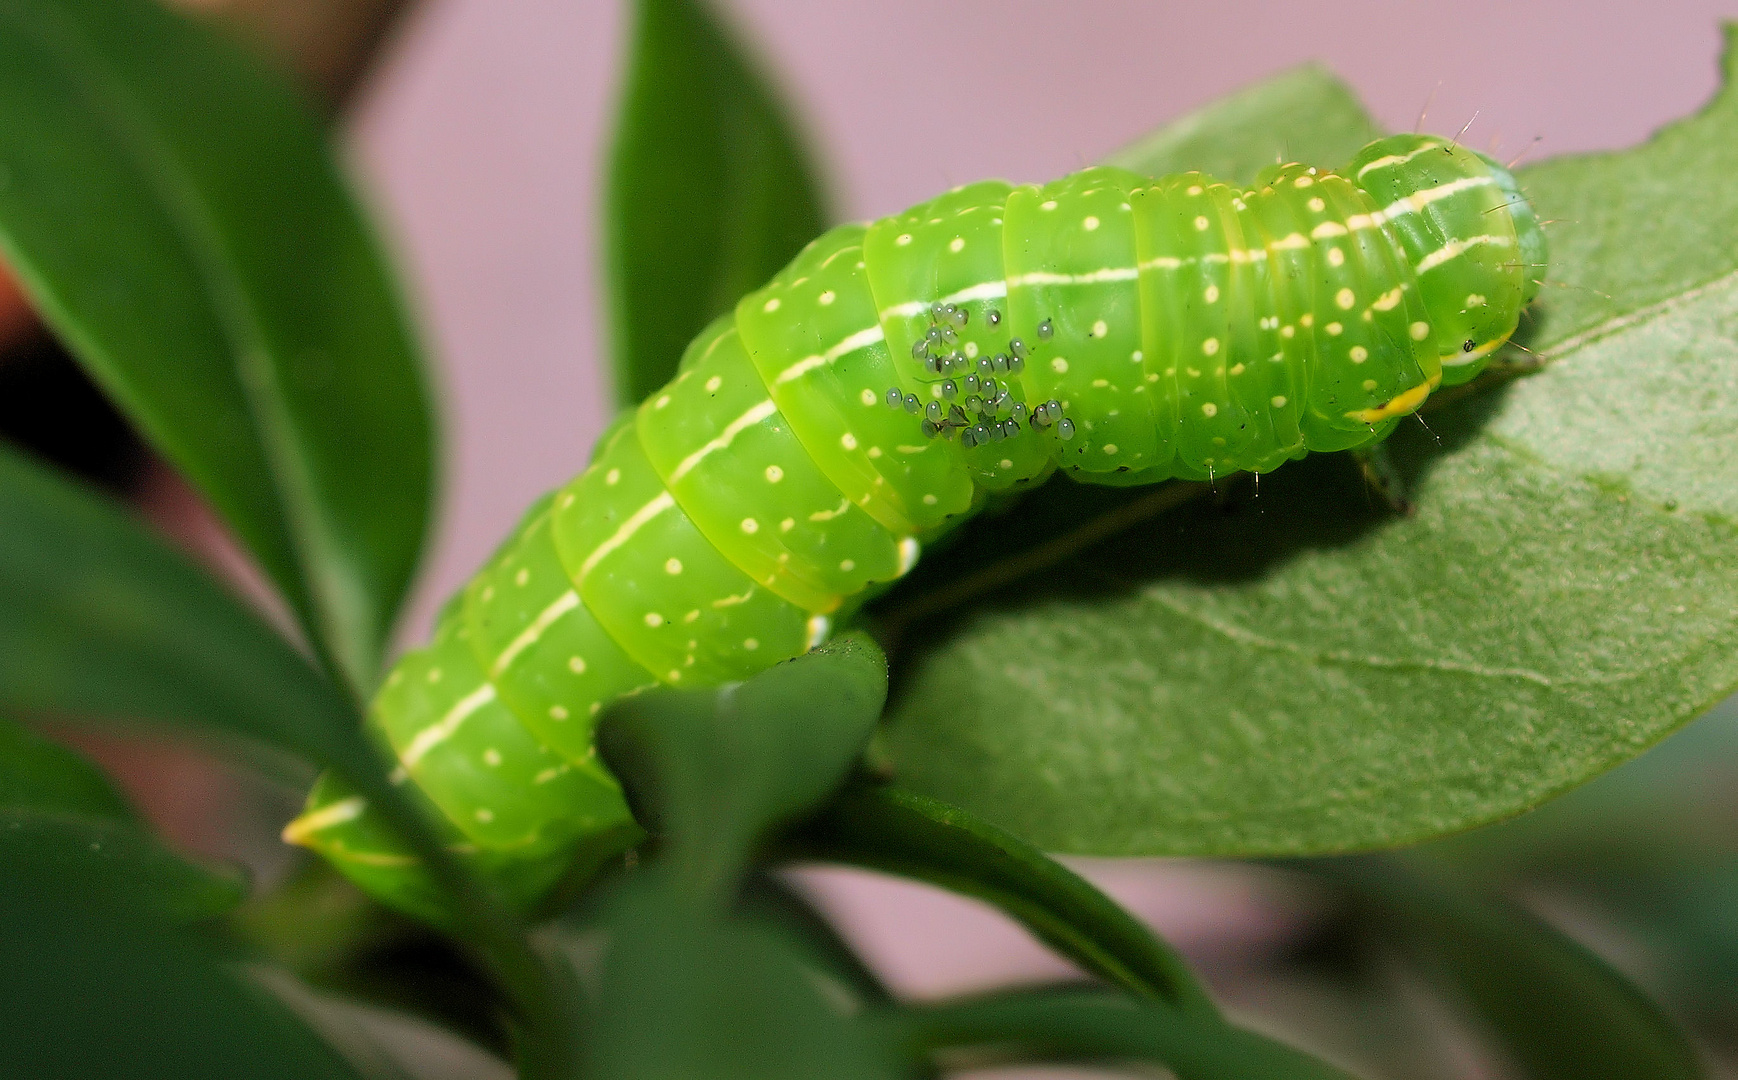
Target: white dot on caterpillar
(595, 707)
(1419, 331)
(492, 756)
(1100, 384)
(929, 500)
(1090, 223)
(787, 524)
(1110, 448)
(521, 577)
(557, 712)
(1212, 294)
(847, 565)
(875, 451)
(713, 384)
(1345, 298)
(576, 664)
(488, 593)
(957, 244)
(848, 441)
(484, 814)
(771, 305)
(1336, 257)
(826, 298)
(1211, 346)
(971, 350)
(1100, 328)
(663, 400)
(1048, 204)
(1195, 189)
(1474, 300)
(1334, 329)
(1302, 181)
(692, 616)
(750, 644)
(1359, 354)
(434, 675)
(1369, 384)
(750, 526)
(613, 477)
(1306, 319)
(1059, 364)
(1237, 369)
(1136, 356)
(1201, 224)
(1317, 204)
(867, 396)
(672, 566)
(1287, 330)
(774, 474)
(1279, 401)
(1209, 409)
(654, 619)
(902, 239)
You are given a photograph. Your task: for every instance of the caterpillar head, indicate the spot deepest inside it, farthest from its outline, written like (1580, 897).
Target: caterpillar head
(1472, 237)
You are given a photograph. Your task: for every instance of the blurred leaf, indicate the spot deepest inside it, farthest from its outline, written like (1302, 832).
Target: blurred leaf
(40, 774)
(683, 996)
(1302, 672)
(1305, 114)
(898, 832)
(768, 899)
(175, 213)
(1562, 1013)
(711, 190)
(99, 618)
(330, 42)
(164, 884)
(1071, 1026)
(93, 985)
(716, 769)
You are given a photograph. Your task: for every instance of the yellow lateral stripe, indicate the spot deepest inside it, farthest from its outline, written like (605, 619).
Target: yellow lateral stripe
(441, 730)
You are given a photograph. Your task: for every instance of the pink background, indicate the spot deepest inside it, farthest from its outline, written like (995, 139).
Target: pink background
(482, 143)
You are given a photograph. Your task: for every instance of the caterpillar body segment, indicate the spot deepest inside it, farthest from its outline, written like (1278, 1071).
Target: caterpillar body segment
(869, 398)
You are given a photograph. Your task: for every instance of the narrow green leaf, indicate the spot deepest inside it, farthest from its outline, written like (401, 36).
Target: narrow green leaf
(883, 828)
(167, 886)
(766, 898)
(1071, 1026)
(40, 774)
(1303, 672)
(1305, 114)
(1563, 1013)
(100, 618)
(716, 769)
(710, 192)
(93, 984)
(176, 214)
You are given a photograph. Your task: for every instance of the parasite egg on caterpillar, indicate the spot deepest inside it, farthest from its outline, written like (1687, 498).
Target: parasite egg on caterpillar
(1124, 329)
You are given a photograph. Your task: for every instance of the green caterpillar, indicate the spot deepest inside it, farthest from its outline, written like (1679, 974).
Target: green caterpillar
(1123, 328)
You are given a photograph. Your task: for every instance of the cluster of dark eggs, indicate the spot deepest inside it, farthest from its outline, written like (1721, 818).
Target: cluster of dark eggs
(974, 402)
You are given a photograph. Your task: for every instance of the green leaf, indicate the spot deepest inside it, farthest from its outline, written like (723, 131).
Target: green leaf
(1561, 1012)
(898, 832)
(1305, 114)
(100, 618)
(1302, 672)
(40, 774)
(93, 983)
(175, 212)
(681, 996)
(1097, 1028)
(711, 190)
(716, 769)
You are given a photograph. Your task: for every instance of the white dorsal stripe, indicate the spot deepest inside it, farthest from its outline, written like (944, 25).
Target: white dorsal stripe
(562, 604)
(807, 364)
(986, 290)
(1397, 159)
(628, 528)
(760, 411)
(442, 730)
(1091, 277)
(1418, 200)
(1455, 248)
(324, 818)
